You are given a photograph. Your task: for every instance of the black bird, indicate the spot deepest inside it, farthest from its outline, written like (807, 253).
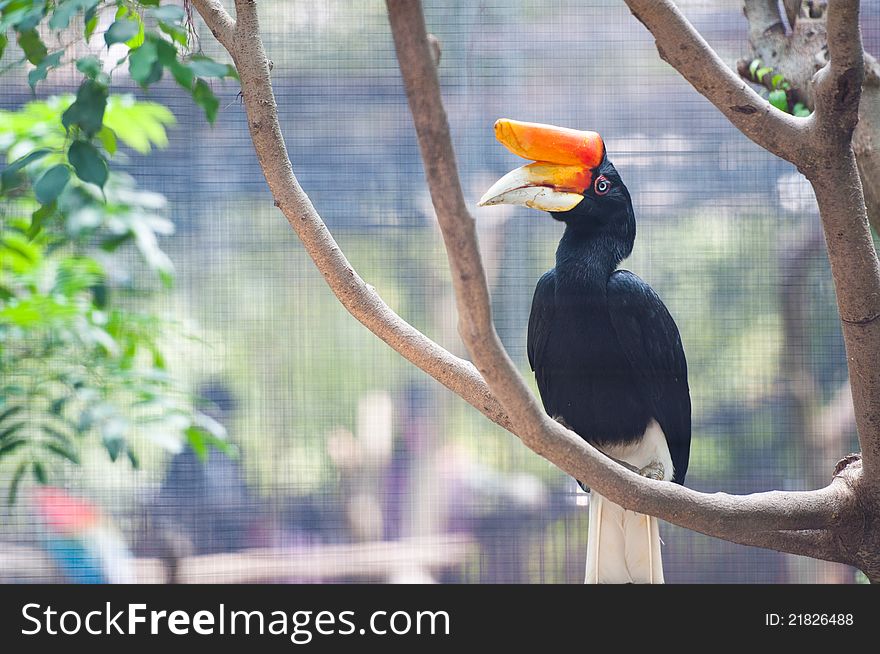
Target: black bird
(607, 354)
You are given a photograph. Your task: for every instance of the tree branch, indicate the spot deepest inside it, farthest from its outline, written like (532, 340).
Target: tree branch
(839, 193)
(839, 84)
(217, 19)
(721, 515)
(792, 11)
(823, 152)
(763, 17)
(680, 45)
(816, 543)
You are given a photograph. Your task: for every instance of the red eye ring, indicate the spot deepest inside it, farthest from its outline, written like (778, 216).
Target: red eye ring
(602, 185)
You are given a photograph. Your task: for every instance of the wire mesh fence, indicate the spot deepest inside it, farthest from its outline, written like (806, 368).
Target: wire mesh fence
(353, 465)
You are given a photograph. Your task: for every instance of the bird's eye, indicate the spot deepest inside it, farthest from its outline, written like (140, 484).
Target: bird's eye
(602, 185)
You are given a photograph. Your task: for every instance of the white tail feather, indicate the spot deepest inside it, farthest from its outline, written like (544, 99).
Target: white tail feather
(623, 547)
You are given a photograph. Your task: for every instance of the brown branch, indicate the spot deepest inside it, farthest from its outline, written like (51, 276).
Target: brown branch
(763, 17)
(816, 543)
(680, 45)
(835, 178)
(792, 11)
(721, 515)
(217, 19)
(839, 84)
(822, 150)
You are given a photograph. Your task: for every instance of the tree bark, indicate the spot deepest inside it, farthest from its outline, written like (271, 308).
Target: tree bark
(798, 55)
(813, 522)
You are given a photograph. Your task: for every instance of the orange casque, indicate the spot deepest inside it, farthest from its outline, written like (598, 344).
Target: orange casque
(572, 153)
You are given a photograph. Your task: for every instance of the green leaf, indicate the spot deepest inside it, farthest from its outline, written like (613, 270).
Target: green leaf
(65, 11)
(91, 20)
(112, 243)
(777, 80)
(49, 186)
(205, 67)
(177, 34)
(87, 111)
(88, 163)
(62, 451)
(761, 72)
(143, 64)
(39, 73)
(3, 41)
(9, 431)
(24, 17)
(198, 440)
(40, 473)
(10, 446)
(11, 411)
(139, 125)
(34, 49)
(114, 447)
(800, 110)
(205, 98)
(138, 39)
(8, 176)
(132, 457)
(753, 67)
(167, 52)
(108, 140)
(779, 99)
(168, 14)
(57, 406)
(16, 482)
(38, 218)
(90, 66)
(183, 75)
(57, 434)
(122, 30)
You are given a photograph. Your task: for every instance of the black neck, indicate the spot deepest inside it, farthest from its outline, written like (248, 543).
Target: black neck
(586, 259)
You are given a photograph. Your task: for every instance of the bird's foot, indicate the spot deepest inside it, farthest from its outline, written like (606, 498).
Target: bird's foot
(654, 470)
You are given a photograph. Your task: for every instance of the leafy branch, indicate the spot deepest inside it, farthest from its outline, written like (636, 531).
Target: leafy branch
(780, 93)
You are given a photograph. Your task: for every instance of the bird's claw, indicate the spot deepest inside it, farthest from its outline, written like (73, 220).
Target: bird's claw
(654, 470)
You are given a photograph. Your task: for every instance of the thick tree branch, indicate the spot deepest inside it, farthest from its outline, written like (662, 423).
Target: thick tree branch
(721, 515)
(816, 543)
(680, 45)
(822, 150)
(854, 264)
(797, 56)
(839, 84)
(763, 17)
(792, 11)
(217, 19)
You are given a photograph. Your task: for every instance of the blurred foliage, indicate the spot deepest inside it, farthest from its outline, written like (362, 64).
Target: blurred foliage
(776, 88)
(77, 355)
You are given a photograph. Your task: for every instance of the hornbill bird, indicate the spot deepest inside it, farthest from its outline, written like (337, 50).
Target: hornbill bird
(607, 355)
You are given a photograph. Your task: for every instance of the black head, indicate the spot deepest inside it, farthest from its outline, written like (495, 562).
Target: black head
(606, 211)
(570, 178)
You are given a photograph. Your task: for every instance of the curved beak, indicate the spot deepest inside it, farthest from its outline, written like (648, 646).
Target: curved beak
(564, 162)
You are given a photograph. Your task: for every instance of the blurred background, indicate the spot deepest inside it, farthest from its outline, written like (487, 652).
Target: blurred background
(351, 465)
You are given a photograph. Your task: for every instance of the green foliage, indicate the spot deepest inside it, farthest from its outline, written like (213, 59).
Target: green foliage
(89, 165)
(78, 358)
(778, 89)
(778, 99)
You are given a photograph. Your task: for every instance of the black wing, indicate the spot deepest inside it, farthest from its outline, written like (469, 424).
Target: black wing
(540, 323)
(541, 316)
(652, 344)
